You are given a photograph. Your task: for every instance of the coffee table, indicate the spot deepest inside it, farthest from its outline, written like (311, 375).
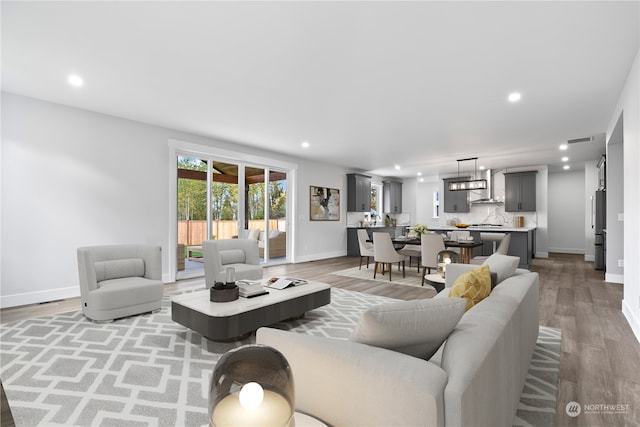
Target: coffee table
(219, 321)
(435, 280)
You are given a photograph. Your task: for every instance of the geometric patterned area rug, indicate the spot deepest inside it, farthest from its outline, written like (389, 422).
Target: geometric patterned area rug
(147, 370)
(412, 276)
(538, 398)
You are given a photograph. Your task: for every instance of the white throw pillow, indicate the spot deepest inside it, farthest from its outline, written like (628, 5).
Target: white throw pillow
(503, 265)
(417, 327)
(274, 233)
(253, 234)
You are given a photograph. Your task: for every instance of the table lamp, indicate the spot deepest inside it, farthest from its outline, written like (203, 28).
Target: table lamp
(252, 385)
(444, 258)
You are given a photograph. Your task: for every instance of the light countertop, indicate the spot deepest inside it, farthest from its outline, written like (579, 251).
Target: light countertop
(481, 228)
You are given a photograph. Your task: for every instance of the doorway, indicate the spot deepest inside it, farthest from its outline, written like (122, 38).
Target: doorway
(224, 199)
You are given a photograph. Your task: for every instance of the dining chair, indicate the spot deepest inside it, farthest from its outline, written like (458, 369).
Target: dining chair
(431, 245)
(385, 253)
(412, 251)
(366, 248)
(503, 247)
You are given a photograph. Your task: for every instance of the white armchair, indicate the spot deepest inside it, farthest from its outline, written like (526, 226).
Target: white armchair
(120, 280)
(241, 254)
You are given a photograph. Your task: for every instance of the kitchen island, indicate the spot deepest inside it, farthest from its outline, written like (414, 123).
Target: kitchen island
(523, 241)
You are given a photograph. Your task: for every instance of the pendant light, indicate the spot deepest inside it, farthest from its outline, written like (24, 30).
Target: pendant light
(468, 184)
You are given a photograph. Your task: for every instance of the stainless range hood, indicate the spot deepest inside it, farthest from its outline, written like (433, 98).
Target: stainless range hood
(486, 196)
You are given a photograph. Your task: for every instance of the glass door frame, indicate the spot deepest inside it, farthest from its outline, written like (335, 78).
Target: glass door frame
(183, 148)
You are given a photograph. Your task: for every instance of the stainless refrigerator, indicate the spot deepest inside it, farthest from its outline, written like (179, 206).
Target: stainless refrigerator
(599, 224)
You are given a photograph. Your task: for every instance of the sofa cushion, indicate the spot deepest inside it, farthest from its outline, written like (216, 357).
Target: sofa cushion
(474, 285)
(274, 233)
(416, 327)
(232, 256)
(119, 268)
(253, 234)
(503, 265)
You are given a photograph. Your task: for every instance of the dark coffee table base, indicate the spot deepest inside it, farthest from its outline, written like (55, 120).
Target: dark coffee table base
(225, 328)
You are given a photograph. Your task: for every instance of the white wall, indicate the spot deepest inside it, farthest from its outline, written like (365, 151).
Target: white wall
(424, 201)
(566, 212)
(615, 208)
(72, 178)
(590, 187)
(629, 104)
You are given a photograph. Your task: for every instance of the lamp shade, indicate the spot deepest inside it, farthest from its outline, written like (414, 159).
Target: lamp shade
(444, 258)
(252, 385)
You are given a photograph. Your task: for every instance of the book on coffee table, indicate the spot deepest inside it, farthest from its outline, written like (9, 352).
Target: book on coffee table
(250, 288)
(282, 283)
(276, 283)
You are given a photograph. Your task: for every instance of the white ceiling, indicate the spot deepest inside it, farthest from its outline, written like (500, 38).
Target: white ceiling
(368, 84)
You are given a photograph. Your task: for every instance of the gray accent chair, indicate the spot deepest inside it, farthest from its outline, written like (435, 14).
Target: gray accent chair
(241, 254)
(120, 280)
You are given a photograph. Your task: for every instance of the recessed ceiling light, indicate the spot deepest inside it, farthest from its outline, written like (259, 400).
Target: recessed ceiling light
(421, 179)
(75, 80)
(305, 144)
(563, 147)
(565, 159)
(397, 167)
(514, 97)
(566, 167)
(419, 173)
(481, 168)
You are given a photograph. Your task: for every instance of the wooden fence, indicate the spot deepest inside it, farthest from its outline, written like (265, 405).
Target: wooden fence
(193, 232)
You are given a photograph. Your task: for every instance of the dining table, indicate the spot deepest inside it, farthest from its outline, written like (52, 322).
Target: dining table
(466, 248)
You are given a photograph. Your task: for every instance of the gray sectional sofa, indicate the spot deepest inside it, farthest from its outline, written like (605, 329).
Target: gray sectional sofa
(474, 379)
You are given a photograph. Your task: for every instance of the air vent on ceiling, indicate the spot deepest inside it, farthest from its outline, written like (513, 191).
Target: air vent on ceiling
(578, 140)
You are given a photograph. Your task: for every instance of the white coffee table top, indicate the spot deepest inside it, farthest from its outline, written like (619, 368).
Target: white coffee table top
(199, 300)
(435, 277)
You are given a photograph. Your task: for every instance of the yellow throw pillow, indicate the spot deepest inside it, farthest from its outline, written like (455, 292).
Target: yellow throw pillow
(474, 285)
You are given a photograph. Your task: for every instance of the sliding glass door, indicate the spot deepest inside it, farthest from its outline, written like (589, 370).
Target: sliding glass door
(266, 210)
(223, 200)
(191, 214)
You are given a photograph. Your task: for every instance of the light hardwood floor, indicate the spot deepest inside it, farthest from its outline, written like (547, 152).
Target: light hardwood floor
(600, 360)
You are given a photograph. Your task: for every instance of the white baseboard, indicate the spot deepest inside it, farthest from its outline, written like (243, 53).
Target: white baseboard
(590, 258)
(38, 297)
(632, 318)
(542, 254)
(614, 278)
(316, 257)
(567, 251)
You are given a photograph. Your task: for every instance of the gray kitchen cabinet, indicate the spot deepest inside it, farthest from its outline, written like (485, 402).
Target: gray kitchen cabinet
(520, 191)
(358, 193)
(392, 196)
(455, 201)
(523, 245)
